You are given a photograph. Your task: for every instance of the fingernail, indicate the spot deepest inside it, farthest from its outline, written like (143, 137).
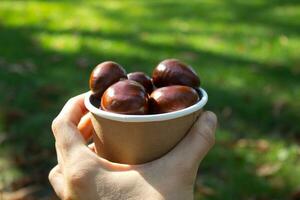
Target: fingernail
(211, 119)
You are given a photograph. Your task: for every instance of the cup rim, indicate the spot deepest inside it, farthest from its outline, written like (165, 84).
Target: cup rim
(145, 118)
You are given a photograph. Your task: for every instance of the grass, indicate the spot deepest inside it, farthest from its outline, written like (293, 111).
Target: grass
(246, 53)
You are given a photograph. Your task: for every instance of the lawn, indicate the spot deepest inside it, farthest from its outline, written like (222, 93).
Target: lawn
(247, 54)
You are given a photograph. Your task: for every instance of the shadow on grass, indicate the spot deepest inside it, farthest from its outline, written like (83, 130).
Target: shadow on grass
(236, 176)
(234, 11)
(250, 106)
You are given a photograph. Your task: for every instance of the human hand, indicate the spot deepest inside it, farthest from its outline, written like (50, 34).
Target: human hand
(82, 174)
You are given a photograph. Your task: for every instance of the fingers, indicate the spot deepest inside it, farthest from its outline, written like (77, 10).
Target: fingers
(85, 127)
(74, 109)
(92, 147)
(202, 135)
(193, 148)
(64, 126)
(59, 157)
(56, 180)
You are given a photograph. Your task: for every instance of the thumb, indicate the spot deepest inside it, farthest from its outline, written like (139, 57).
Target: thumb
(193, 148)
(202, 135)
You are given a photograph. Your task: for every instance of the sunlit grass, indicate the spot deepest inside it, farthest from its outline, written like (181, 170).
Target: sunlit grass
(60, 43)
(266, 163)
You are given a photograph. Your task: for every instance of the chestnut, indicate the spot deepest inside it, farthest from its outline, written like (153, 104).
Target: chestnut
(95, 101)
(125, 97)
(104, 75)
(172, 98)
(143, 79)
(174, 72)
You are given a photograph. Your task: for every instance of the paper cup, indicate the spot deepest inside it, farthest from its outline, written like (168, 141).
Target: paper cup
(136, 139)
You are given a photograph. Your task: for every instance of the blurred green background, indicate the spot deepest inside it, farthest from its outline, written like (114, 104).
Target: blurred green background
(247, 54)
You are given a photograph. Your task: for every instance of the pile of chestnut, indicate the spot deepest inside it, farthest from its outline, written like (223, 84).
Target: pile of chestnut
(173, 86)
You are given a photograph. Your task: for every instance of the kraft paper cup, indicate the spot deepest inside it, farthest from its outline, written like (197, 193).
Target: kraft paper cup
(136, 139)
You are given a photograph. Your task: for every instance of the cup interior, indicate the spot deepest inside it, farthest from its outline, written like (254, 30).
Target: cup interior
(146, 118)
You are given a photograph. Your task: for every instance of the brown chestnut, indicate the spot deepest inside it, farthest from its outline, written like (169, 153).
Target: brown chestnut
(95, 101)
(172, 98)
(143, 79)
(125, 97)
(174, 72)
(104, 75)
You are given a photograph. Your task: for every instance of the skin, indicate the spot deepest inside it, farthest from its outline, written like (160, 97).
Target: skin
(81, 174)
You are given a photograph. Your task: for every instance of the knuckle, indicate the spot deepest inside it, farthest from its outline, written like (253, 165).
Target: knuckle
(71, 100)
(75, 178)
(51, 175)
(62, 145)
(56, 124)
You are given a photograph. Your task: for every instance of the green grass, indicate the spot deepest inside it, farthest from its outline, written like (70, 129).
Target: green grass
(246, 53)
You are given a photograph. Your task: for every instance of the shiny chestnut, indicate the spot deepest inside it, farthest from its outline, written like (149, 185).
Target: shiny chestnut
(174, 72)
(143, 79)
(104, 75)
(125, 97)
(172, 98)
